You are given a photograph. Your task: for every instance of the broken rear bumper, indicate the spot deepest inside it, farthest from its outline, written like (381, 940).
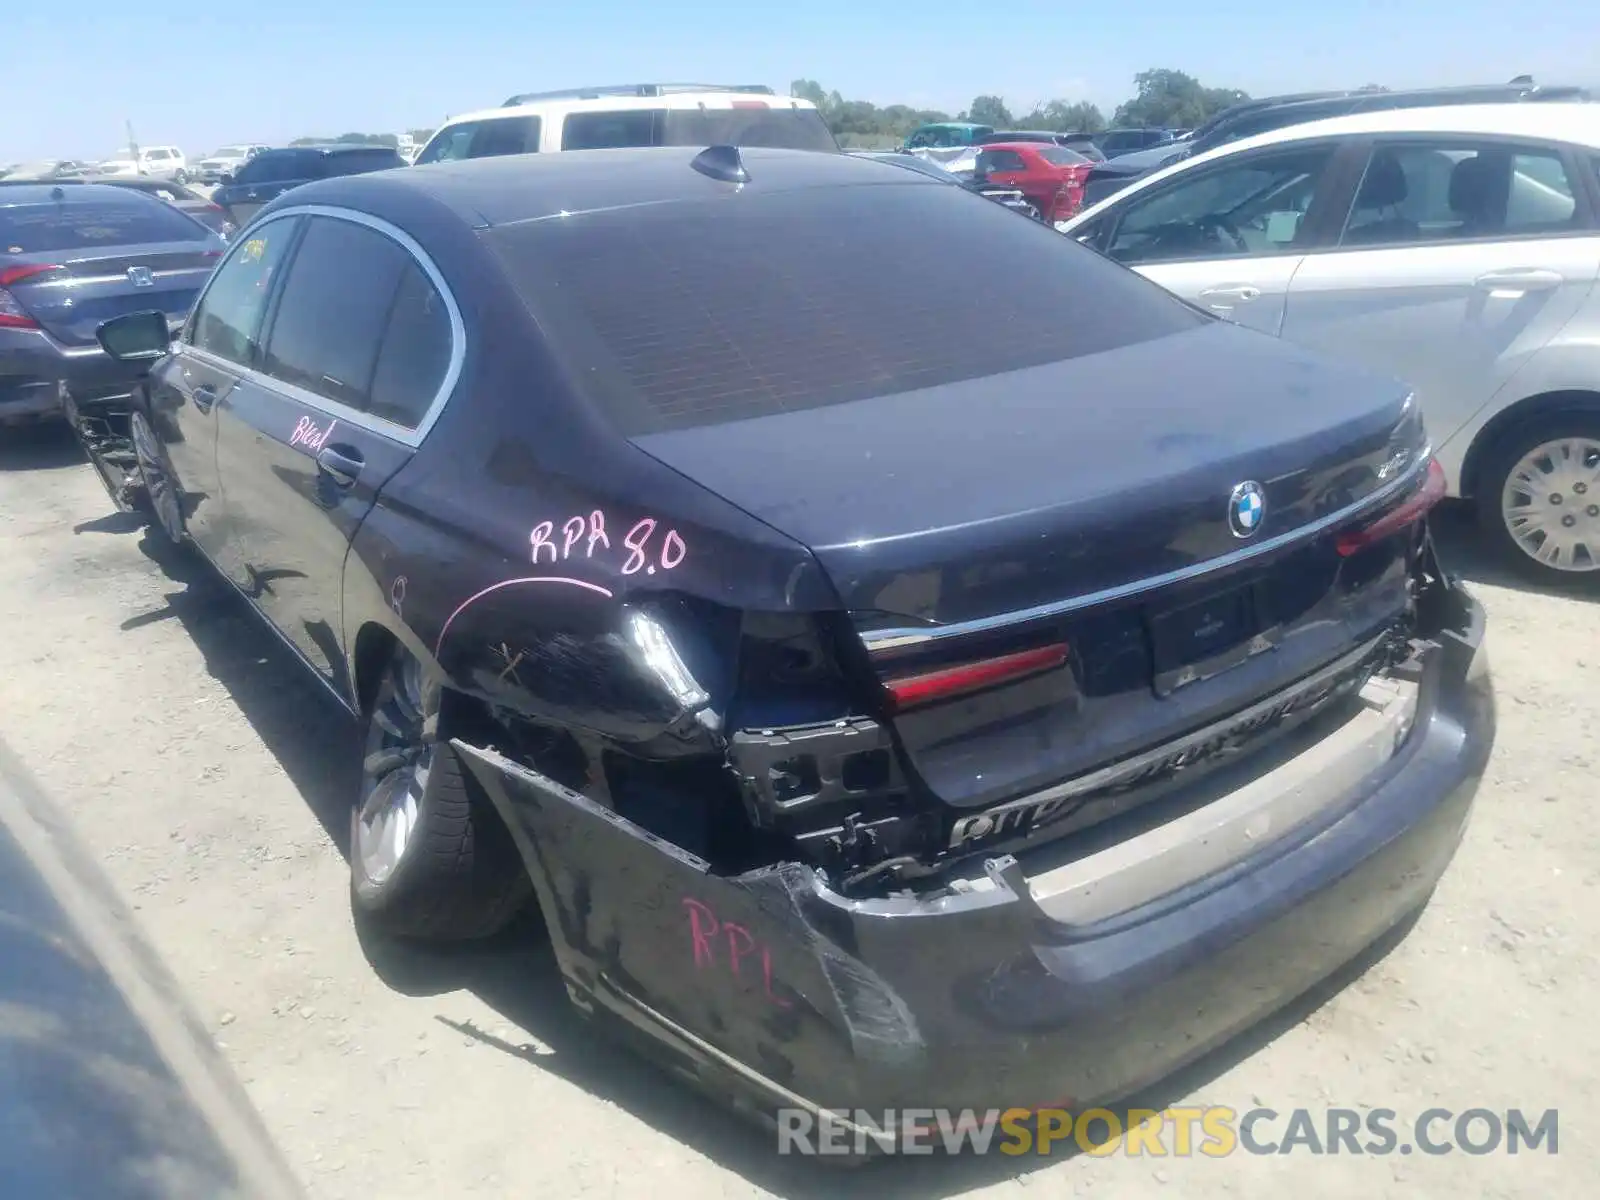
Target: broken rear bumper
(1033, 985)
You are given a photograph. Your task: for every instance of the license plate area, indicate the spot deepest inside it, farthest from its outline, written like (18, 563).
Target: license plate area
(1205, 637)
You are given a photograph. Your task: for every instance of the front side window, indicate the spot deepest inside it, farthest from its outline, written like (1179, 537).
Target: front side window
(490, 138)
(334, 309)
(610, 130)
(1248, 208)
(1419, 193)
(227, 321)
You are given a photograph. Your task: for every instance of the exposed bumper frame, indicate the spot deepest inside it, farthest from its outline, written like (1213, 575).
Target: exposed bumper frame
(1029, 985)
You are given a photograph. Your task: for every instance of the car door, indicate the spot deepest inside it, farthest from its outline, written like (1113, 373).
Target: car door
(220, 345)
(1229, 235)
(1460, 258)
(360, 342)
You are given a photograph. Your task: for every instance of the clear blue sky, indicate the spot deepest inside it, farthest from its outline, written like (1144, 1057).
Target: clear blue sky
(198, 75)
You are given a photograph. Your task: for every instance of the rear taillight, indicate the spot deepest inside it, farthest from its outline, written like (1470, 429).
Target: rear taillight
(1413, 509)
(946, 683)
(12, 314)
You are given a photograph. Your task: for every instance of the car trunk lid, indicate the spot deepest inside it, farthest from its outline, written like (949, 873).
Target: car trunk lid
(1093, 515)
(81, 289)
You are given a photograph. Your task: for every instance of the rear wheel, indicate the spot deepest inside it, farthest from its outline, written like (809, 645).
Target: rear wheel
(181, 177)
(429, 856)
(1538, 498)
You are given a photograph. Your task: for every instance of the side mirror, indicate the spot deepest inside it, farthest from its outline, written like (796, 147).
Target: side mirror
(136, 337)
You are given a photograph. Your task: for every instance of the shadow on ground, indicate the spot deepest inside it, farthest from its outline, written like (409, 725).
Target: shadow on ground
(46, 446)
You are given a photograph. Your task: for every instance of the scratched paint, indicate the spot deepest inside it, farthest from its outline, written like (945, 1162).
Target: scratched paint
(650, 546)
(397, 595)
(729, 948)
(531, 580)
(309, 435)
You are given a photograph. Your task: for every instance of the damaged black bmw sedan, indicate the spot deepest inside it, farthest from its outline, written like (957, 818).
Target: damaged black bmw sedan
(890, 694)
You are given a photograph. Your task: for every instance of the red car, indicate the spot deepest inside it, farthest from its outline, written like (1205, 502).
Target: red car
(1050, 177)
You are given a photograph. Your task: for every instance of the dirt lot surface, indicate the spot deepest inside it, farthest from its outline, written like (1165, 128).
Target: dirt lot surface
(213, 781)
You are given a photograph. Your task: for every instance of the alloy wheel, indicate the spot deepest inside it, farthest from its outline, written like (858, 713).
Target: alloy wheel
(395, 770)
(158, 482)
(1550, 504)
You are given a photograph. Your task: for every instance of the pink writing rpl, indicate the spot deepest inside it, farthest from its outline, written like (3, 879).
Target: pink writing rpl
(730, 947)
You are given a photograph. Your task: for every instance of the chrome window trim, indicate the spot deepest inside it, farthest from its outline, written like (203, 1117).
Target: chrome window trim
(879, 640)
(333, 408)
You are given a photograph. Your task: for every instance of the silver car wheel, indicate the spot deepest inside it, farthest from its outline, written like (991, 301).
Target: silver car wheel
(1550, 504)
(395, 770)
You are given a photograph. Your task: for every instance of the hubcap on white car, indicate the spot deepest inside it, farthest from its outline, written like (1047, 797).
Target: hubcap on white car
(1551, 504)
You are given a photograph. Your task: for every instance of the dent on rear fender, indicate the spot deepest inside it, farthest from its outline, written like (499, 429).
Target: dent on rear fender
(735, 960)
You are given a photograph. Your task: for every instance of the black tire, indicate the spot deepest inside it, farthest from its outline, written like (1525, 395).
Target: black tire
(163, 497)
(181, 178)
(1579, 501)
(459, 876)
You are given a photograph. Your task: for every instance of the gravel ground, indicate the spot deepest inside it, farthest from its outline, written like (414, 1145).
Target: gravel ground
(212, 780)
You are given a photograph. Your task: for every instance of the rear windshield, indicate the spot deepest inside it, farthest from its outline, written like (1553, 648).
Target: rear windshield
(753, 124)
(37, 228)
(688, 314)
(1061, 156)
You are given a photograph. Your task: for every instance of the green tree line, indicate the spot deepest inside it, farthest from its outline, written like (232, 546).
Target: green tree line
(1162, 97)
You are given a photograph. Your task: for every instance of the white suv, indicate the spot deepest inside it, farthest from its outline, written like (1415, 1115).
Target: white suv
(153, 162)
(651, 114)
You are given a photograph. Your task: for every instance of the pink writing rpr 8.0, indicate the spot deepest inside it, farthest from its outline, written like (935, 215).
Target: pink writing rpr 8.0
(583, 534)
(720, 945)
(308, 435)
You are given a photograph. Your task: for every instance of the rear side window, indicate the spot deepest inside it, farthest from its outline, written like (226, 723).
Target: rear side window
(990, 161)
(84, 225)
(281, 168)
(333, 310)
(483, 139)
(227, 321)
(679, 315)
(415, 352)
(610, 130)
(359, 162)
(756, 125)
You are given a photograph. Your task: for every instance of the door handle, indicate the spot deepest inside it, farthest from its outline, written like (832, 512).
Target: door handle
(205, 398)
(1238, 293)
(1520, 279)
(341, 463)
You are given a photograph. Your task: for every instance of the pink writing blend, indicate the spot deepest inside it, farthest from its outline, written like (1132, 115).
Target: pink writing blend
(308, 435)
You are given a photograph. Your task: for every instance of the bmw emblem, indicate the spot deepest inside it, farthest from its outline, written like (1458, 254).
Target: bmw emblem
(1247, 508)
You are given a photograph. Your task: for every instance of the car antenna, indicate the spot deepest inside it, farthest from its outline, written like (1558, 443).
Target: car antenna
(721, 162)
